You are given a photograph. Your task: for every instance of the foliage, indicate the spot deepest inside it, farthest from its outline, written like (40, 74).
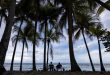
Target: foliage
(106, 40)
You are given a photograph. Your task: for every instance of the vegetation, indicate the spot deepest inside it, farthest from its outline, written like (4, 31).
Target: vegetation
(106, 40)
(34, 21)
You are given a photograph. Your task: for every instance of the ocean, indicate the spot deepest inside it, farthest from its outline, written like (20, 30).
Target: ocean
(66, 66)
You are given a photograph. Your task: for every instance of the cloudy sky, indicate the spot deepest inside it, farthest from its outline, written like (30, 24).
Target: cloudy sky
(61, 52)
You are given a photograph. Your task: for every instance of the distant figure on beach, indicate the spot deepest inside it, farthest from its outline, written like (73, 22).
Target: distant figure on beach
(51, 66)
(59, 66)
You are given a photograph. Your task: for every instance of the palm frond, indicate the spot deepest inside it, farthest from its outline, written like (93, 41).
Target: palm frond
(101, 8)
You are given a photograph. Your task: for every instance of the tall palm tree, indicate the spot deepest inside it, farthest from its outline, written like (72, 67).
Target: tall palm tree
(20, 18)
(69, 7)
(32, 12)
(84, 22)
(6, 36)
(27, 34)
(97, 31)
(48, 13)
(17, 38)
(52, 36)
(37, 6)
(20, 38)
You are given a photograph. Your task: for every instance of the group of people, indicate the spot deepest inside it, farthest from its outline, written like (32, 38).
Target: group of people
(58, 66)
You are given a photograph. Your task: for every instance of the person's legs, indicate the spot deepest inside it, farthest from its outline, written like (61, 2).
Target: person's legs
(51, 69)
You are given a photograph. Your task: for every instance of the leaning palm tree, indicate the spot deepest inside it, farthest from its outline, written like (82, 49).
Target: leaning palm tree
(20, 38)
(11, 68)
(105, 5)
(93, 3)
(27, 34)
(97, 31)
(3, 10)
(20, 18)
(2, 15)
(29, 10)
(84, 22)
(6, 36)
(101, 8)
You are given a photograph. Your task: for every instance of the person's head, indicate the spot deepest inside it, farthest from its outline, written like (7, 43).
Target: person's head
(50, 62)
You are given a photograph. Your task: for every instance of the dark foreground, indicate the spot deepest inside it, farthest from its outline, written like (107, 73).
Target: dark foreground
(56, 73)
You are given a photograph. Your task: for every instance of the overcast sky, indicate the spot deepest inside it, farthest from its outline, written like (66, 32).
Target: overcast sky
(61, 52)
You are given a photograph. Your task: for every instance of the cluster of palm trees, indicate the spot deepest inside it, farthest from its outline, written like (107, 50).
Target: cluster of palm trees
(44, 20)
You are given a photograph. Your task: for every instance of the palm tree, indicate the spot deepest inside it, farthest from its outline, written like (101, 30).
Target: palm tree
(20, 38)
(37, 6)
(6, 36)
(17, 38)
(20, 18)
(27, 35)
(3, 10)
(32, 12)
(48, 13)
(52, 36)
(101, 8)
(2, 15)
(93, 3)
(69, 7)
(84, 22)
(105, 5)
(97, 31)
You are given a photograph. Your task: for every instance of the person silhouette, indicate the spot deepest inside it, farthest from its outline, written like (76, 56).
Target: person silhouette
(59, 66)
(51, 66)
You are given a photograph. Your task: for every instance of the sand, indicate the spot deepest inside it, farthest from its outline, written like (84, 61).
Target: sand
(56, 73)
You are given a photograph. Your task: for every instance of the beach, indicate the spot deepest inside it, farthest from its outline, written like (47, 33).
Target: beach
(55, 73)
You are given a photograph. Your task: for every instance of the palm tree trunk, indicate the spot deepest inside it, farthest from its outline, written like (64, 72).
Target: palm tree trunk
(88, 51)
(44, 64)
(34, 48)
(74, 65)
(6, 36)
(11, 68)
(22, 57)
(1, 20)
(34, 41)
(47, 55)
(100, 56)
(103, 4)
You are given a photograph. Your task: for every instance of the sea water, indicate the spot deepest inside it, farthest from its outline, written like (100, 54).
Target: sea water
(66, 66)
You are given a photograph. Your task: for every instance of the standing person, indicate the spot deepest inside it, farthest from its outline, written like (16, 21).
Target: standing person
(51, 66)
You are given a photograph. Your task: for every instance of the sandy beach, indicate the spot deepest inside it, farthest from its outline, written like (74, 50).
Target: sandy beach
(56, 73)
